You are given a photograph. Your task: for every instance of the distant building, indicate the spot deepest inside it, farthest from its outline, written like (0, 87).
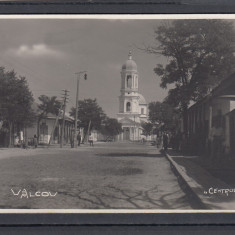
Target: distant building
(46, 126)
(133, 109)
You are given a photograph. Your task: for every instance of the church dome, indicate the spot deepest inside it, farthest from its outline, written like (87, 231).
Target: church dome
(130, 64)
(142, 99)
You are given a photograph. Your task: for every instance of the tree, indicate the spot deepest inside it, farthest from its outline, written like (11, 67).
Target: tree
(110, 128)
(147, 128)
(199, 54)
(163, 116)
(90, 114)
(47, 105)
(15, 102)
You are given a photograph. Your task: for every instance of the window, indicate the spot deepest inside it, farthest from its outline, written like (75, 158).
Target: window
(128, 106)
(128, 81)
(142, 110)
(44, 129)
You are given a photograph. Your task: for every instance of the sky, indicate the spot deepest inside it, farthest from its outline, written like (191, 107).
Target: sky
(48, 52)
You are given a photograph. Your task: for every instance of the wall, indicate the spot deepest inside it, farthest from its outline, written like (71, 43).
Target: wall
(31, 131)
(232, 105)
(220, 105)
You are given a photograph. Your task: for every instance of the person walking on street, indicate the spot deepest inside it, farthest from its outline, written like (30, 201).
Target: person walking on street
(72, 140)
(165, 141)
(35, 141)
(158, 140)
(79, 138)
(90, 139)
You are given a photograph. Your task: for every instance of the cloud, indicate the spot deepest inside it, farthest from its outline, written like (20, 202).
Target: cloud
(35, 51)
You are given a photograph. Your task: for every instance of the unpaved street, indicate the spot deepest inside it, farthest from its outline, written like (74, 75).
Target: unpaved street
(106, 176)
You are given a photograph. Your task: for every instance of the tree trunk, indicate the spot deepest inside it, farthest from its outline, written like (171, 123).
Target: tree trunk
(185, 121)
(88, 130)
(85, 134)
(10, 135)
(25, 137)
(38, 127)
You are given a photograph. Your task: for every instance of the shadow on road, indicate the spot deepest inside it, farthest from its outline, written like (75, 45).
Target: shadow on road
(116, 198)
(130, 155)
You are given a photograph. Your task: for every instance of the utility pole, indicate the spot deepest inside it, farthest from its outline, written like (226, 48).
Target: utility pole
(76, 111)
(62, 130)
(88, 131)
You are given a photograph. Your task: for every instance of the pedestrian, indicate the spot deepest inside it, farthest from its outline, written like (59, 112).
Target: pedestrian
(79, 138)
(217, 138)
(16, 141)
(142, 141)
(35, 141)
(72, 140)
(165, 141)
(158, 140)
(90, 139)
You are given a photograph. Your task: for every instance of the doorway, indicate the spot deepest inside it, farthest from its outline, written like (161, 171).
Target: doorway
(126, 133)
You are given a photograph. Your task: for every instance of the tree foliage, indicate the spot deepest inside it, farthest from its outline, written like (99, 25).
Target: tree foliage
(147, 128)
(48, 105)
(163, 116)
(199, 54)
(89, 112)
(111, 127)
(15, 101)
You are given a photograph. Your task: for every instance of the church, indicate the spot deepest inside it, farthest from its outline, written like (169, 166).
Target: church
(133, 109)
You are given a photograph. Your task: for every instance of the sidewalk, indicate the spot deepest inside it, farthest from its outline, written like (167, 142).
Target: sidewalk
(212, 192)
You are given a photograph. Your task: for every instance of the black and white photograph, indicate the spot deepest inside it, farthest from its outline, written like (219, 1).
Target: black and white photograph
(117, 113)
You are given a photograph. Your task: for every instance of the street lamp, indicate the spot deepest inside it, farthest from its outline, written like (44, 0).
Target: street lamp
(76, 112)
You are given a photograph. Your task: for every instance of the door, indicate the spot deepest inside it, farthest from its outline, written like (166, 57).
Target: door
(126, 133)
(43, 133)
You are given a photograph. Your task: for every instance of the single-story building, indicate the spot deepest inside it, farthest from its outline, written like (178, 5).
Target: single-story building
(46, 127)
(213, 114)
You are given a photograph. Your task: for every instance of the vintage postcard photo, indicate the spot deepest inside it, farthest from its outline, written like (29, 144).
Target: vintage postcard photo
(117, 112)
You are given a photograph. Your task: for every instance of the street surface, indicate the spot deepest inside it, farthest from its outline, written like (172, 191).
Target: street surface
(106, 176)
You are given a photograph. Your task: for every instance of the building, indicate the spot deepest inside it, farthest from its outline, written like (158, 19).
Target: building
(46, 126)
(216, 110)
(133, 109)
(43, 130)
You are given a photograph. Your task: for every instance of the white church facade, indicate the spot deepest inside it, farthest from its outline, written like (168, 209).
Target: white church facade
(133, 109)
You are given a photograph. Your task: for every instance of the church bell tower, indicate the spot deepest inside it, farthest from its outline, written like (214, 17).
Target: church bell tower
(130, 102)
(129, 98)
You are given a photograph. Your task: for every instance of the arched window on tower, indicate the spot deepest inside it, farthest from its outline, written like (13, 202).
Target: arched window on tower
(128, 106)
(128, 81)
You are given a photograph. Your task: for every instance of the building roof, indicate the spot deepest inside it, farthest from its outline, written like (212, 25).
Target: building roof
(128, 121)
(53, 116)
(142, 99)
(129, 64)
(50, 115)
(225, 89)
